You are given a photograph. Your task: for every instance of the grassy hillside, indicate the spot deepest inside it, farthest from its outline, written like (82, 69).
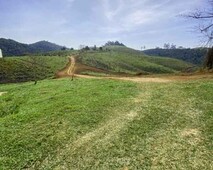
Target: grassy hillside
(113, 60)
(123, 59)
(19, 69)
(39, 66)
(195, 56)
(106, 124)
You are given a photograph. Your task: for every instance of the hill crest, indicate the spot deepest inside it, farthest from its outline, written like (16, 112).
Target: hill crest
(11, 47)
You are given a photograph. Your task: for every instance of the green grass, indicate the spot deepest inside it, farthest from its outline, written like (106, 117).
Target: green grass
(106, 124)
(122, 59)
(38, 121)
(18, 69)
(97, 74)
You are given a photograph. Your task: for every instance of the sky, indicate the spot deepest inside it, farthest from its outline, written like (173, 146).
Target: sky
(135, 23)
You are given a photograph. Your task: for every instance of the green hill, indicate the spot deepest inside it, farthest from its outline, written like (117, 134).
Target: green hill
(13, 48)
(127, 60)
(21, 69)
(112, 60)
(45, 46)
(195, 56)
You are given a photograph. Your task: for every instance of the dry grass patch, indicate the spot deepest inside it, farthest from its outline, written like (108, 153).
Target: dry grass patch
(1, 93)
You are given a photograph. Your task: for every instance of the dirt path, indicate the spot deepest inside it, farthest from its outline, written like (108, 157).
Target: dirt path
(72, 66)
(68, 70)
(134, 79)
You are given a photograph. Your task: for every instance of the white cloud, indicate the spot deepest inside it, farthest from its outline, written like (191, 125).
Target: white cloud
(139, 17)
(71, 1)
(111, 10)
(129, 15)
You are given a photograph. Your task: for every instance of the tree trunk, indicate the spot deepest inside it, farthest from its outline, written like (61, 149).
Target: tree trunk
(209, 58)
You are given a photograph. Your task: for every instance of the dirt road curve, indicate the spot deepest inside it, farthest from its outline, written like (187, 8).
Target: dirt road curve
(67, 71)
(71, 67)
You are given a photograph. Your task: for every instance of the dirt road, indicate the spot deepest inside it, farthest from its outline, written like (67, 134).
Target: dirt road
(68, 70)
(71, 67)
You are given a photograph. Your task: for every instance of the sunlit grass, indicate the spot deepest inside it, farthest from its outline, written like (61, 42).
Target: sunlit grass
(122, 59)
(106, 124)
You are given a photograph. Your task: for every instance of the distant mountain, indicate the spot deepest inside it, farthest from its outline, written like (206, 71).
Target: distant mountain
(195, 55)
(45, 46)
(10, 47)
(13, 48)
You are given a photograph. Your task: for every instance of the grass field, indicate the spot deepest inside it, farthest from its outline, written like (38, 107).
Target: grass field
(106, 124)
(126, 60)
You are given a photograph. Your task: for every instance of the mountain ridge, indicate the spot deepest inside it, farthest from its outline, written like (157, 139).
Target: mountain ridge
(192, 55)
(11, 47)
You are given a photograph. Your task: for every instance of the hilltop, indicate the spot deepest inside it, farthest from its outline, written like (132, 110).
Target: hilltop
(13, 48)
(45, 46)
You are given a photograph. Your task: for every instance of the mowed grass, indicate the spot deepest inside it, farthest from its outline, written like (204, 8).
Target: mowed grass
(38, 121)
(126, 60)
(106, 124)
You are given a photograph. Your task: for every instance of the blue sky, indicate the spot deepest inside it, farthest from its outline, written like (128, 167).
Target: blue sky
(73, 22)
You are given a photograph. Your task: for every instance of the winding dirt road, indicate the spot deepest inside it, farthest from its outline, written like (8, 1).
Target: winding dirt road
(68, 70)
(71, 67)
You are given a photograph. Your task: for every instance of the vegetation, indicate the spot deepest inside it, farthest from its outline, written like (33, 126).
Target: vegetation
(28, 68)
(116, 43)
(126, 60)
(13, 48)
(106, 124)
(111, 59)
(195, 56)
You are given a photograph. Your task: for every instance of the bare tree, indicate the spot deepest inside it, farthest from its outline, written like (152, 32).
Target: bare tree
(205, 26)
(205, 18)
(166, 46)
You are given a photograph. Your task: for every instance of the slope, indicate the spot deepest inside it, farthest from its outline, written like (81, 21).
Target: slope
(125, 60)
(13, 48)
(111, 60)
(45, 46)
(195, 56)
(10, 47)
(28, 68)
